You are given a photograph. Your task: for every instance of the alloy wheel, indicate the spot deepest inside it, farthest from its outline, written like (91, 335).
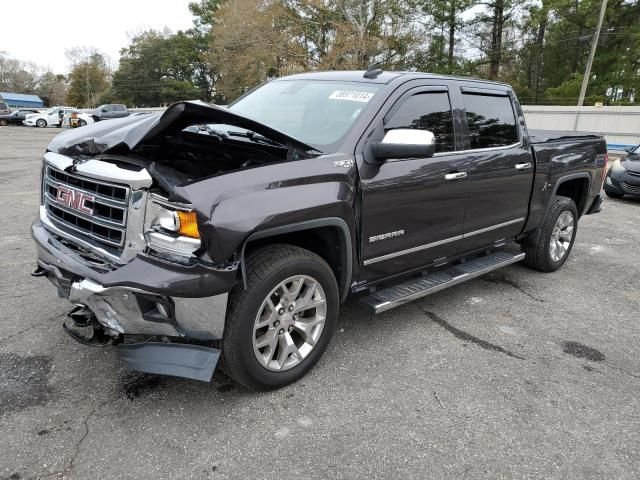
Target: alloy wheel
(289, 323)
(561, 236)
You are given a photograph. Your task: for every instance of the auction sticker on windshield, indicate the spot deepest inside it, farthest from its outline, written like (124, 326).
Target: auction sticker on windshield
(352, 95)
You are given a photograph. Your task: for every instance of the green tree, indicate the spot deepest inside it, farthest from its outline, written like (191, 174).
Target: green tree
(557, 36)
(160, 68)
(446, 21)
(52, 88)
(254, 40)
(88, 79)
(204, 12)
(493, 33)
(616, 69)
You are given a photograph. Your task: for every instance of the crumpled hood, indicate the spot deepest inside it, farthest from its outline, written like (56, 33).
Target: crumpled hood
(134, 129)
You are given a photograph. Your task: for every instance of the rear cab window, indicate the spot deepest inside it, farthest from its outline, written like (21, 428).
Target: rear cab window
(491, 120)
(426, 111)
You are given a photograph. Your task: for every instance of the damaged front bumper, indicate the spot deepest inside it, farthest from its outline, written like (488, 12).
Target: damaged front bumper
(175, 310)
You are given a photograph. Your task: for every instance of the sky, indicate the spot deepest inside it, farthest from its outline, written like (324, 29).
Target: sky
(41, 30)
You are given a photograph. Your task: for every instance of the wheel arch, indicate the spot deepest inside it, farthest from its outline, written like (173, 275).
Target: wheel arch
(319, 236)
(579, 195)
(577, 187)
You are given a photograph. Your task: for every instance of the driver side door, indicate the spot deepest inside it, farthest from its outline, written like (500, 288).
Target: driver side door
(54, 118)
(412, 209)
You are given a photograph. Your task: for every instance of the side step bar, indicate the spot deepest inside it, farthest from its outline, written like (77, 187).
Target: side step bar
(405, 292)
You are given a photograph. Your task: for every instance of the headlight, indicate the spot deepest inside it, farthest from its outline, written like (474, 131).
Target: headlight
(171, 230)
(179, 221)
(618, 167)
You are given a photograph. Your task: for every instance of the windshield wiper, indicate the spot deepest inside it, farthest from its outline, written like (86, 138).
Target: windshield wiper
(250, 135)
(254, 137)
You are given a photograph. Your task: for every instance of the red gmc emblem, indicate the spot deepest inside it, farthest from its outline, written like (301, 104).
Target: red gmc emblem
(74, 199)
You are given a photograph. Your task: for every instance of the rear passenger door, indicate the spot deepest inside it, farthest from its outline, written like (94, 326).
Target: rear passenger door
(499, 167)
(119, 111)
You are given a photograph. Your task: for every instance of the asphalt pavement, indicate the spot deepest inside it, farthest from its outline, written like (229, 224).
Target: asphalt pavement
(517, 374)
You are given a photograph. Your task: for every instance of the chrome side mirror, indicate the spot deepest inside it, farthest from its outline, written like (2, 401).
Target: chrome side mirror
(405, 143)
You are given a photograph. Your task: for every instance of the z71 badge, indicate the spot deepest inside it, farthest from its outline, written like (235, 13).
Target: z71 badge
(385, 236)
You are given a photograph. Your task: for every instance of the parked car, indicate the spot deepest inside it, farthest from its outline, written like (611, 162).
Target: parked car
(16, 117)
(623, 177)
(114, 110)
(181, 246)
(51, 117)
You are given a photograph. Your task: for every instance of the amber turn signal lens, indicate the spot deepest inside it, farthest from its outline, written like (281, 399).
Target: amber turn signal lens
(188, 224)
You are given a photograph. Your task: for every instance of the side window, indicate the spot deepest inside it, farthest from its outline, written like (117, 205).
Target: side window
(491, 120)
(427, 111)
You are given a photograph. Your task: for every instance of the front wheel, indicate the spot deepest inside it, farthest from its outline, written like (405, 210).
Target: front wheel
(3, 122)
(556, 237)
(41, 123)
(277, 328)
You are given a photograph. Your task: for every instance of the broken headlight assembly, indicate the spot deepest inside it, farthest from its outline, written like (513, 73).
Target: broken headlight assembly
(171, 229)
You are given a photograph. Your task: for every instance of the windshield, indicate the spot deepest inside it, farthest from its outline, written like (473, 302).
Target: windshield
(318, 113)
(636, 150)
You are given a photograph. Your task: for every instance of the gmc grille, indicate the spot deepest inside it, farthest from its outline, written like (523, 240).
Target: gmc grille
(106, 227)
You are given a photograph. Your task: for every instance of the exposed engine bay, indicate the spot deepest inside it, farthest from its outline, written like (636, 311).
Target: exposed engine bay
(189, 141)
(201, 151)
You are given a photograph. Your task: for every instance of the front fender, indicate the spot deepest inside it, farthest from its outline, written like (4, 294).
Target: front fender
(233, 206)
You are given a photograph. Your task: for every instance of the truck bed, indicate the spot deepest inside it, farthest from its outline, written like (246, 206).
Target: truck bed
(546, 136)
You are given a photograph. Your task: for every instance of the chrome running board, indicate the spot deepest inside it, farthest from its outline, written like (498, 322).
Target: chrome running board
(391, 297)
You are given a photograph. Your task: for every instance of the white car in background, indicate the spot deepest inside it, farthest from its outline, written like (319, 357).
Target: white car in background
(51, 117)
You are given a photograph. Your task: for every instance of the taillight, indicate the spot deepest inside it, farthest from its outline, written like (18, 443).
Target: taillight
(606, 168)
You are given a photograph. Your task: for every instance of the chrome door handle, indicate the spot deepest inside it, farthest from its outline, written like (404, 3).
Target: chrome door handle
(523, 166)
(455, 176)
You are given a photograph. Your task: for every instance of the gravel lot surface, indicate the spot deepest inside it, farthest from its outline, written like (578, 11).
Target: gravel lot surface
(514, 375)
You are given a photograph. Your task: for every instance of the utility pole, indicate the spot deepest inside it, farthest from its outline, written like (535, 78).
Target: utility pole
(592, 54)
(89, 88)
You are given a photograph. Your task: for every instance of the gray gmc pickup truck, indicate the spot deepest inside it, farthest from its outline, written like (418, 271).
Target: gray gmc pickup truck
(208, 235)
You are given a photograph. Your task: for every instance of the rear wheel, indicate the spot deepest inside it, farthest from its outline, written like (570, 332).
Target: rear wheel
(3, 122)
(278, 328)
(81, 123)
(41, 123)
(556, 237)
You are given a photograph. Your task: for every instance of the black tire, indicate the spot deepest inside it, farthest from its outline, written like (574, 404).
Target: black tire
(81, 123)
(538, 254)
(266, 268)
(41, 123)
(3, 122)
(613, 194)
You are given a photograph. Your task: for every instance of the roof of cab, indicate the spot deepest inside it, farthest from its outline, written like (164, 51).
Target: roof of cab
(385, 77)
